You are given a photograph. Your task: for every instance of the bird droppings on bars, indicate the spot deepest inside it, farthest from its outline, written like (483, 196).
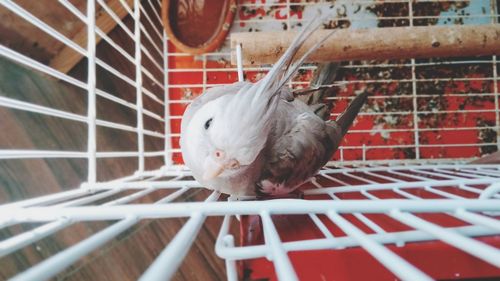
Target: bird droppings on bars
(224, 63)
(436, 44)
(187, 94)
(487, 135)
(296, 10)
(337, 24)
(449, 93)
(498, 10)
(425, 13)
(278, 12)
(396, 12)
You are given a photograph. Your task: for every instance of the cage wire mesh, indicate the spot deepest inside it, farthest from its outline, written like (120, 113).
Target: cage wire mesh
(90, 158)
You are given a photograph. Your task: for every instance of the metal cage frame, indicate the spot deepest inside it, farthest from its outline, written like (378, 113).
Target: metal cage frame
(478, 209)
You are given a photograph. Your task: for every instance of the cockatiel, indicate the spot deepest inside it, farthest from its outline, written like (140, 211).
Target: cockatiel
(257, 138)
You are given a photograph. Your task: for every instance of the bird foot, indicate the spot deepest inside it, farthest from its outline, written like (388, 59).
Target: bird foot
(296, 194)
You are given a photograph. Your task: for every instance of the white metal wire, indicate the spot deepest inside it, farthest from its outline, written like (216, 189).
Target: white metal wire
(138, 81)
(91, 84)
(404, 180)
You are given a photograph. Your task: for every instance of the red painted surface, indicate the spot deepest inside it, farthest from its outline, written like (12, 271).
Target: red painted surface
(435, 258)
(187, 84)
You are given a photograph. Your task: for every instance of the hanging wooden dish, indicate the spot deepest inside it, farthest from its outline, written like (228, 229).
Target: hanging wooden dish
(197, 26)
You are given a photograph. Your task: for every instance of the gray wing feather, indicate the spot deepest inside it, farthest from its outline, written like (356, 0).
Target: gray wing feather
(319, 87)
(301, 144)
(347, 117)
(300, 148)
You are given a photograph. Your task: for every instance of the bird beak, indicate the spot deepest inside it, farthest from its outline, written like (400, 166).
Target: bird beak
(213, 167)
(212, 171)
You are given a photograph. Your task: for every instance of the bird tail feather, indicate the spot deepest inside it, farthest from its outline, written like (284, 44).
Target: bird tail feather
(283, 70)
(320, 85)
(347, 117)
(325, 74)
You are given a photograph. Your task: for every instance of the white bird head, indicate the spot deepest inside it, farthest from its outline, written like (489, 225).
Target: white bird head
(227, 134)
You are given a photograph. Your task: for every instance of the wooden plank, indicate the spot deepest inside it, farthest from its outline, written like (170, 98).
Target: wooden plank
(380, 43)
(67, 58)
(22, 36)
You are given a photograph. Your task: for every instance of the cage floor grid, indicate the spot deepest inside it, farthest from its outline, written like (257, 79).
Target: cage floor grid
(373, 208)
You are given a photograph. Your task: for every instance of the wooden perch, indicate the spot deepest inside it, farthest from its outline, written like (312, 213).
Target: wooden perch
(377, 43)
(67, 58)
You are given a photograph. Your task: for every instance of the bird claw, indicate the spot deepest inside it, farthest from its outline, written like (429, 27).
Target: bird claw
(296, 194)
(241, 197)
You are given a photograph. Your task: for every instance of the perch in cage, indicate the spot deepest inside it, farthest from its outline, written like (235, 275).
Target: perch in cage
(93, 184)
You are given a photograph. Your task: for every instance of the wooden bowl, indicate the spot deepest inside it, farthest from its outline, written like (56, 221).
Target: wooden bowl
(195, 26)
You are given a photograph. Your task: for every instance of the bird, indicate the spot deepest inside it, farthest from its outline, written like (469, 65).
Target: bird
(264, 139)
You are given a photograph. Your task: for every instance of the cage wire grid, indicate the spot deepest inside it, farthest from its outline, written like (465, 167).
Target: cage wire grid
(350, 200)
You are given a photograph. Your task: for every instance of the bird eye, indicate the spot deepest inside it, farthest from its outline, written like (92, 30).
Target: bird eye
(208, 123)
